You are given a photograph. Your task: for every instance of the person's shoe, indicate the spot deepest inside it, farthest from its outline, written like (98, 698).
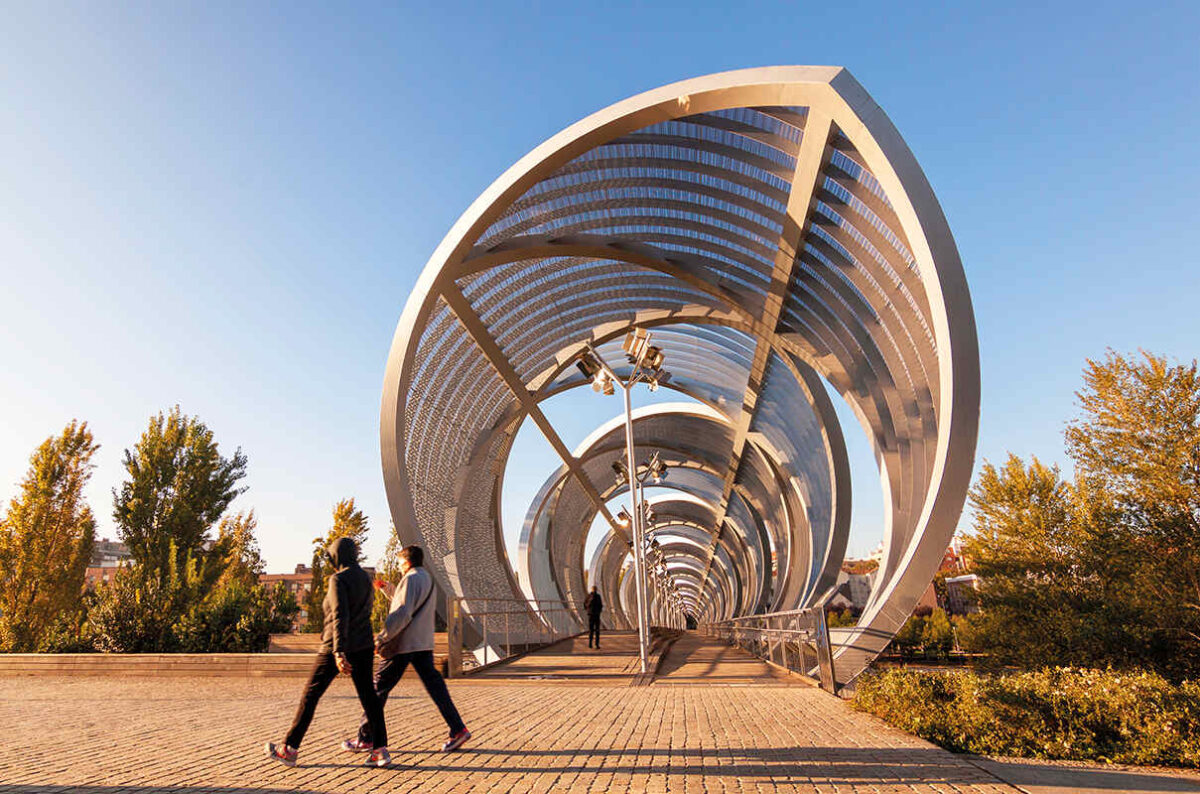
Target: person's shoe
(282, 753)
(379, 757)
(356, 745)
(456, 741)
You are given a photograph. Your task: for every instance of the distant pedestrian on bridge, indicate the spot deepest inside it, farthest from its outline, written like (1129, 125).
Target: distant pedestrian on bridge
(593, 605)
(346, 647)
(407, 638)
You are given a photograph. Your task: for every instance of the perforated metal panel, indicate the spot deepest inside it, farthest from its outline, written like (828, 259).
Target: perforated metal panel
(774, 233)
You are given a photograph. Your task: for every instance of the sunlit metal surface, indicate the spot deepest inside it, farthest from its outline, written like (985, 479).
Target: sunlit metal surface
(775, 233)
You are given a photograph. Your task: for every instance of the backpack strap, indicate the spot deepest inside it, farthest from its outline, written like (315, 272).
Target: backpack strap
(388, 649)
(424, 600)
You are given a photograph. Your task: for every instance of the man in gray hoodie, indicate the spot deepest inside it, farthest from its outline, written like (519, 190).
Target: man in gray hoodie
(347, 647)
(407, 638)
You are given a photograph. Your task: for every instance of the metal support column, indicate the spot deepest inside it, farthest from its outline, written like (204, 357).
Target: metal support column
(639, 550)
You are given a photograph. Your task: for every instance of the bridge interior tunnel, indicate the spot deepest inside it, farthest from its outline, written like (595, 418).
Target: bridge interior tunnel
(747, 551)
(774, 234)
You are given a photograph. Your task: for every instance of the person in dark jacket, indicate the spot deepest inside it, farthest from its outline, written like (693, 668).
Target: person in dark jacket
(407, 638)
(347, 646)
(594, 605)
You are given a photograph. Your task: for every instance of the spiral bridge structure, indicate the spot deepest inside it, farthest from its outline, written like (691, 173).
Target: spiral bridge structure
(774, 233)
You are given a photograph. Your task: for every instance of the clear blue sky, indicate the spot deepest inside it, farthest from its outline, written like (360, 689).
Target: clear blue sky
(225, 207)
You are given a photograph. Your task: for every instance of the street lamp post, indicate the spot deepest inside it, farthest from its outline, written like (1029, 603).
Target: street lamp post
(639, 552)
(647, 367)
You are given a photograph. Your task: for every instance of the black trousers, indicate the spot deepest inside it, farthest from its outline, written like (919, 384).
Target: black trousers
(389, 674)
(323, 673)
(593, 630)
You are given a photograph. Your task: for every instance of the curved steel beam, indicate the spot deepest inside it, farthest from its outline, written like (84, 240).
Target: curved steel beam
(780, 202)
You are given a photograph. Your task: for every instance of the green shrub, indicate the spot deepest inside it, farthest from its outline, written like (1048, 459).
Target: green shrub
(1061, 713)
(235, 618)
(927, 632)
(142, 611)
(70, 632)
(134, 612)
(937, 637)
(970, 631)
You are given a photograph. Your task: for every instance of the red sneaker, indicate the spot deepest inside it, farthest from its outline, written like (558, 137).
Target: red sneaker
(357, 745)
(282, 753)
(456, 741)
(379, 757)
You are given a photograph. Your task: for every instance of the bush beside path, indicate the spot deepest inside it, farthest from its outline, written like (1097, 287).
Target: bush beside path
(1055, 713)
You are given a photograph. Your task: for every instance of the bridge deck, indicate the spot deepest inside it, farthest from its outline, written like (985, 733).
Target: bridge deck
(570, 660)
(695, 659)
(186, 736)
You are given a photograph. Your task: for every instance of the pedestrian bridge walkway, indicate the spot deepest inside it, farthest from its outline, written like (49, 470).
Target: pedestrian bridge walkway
(696, 659)
(691, 659)
(571, 660)
(713, 720)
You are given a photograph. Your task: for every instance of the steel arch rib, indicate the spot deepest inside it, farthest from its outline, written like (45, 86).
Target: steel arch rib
(544, 531)
(867, 289)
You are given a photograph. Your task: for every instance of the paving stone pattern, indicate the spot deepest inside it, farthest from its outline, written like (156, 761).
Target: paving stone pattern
(695, 659)
(191, 735)
(562, 720)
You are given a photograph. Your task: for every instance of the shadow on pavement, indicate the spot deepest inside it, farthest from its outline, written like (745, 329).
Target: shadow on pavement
(829, 766)
(796, 766)
(842, 766)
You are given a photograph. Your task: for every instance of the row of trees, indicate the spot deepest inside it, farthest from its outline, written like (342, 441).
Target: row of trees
(186, 589)
(1102, 569)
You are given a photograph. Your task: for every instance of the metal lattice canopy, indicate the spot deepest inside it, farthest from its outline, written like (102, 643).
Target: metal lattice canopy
(775, 233)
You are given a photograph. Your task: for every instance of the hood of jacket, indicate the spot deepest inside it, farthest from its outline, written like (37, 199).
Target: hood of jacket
(343, 552)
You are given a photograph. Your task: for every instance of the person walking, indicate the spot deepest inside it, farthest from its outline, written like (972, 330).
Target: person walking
(347, 646)
(407, 638)
(593, 605)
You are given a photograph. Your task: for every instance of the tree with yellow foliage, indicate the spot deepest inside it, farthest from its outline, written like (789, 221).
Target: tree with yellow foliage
(46, 540)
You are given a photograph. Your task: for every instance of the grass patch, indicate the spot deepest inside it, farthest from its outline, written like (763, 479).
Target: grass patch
(1057, 713)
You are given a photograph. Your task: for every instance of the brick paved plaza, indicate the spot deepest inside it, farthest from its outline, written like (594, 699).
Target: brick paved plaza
(206, 734)
(579, 732)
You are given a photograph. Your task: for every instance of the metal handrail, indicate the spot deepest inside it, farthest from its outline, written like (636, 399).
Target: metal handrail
(499, 639)
(796, 639)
